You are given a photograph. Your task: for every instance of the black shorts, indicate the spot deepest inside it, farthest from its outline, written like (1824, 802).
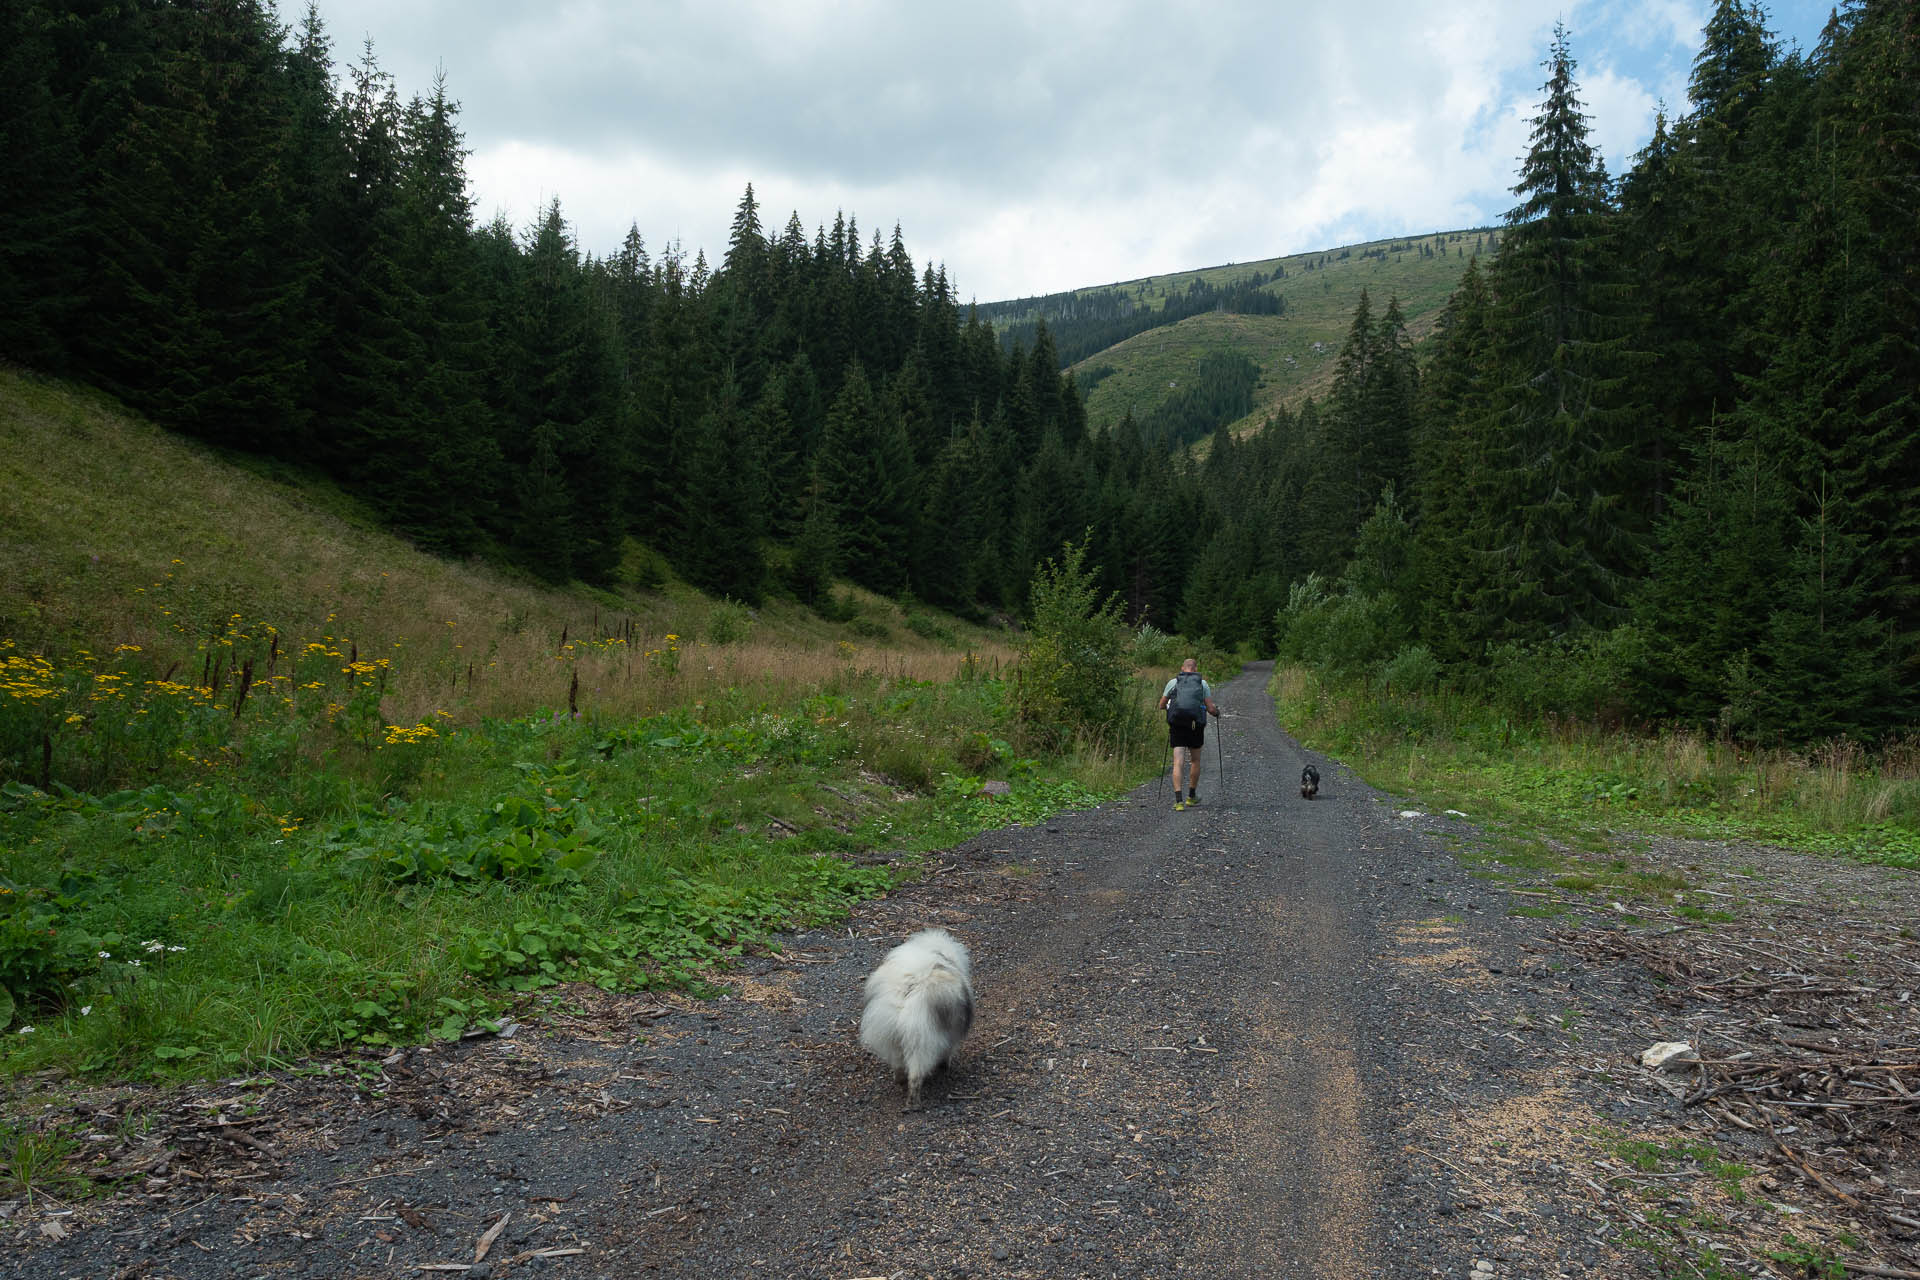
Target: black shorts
(1182, 732)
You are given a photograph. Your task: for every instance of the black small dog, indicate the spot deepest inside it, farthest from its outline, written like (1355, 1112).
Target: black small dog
(1309, 782)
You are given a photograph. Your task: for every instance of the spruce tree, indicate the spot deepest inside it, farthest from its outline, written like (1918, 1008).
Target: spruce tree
(1052, 501)
(743, 303)
(864, 471)
(954, 539)
(440, 462)
(1457, 451)
(722, 507)
(1566, 483)
(41, 262)
(562, 462)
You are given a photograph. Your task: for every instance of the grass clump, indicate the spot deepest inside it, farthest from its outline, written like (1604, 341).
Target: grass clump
(38, 1163)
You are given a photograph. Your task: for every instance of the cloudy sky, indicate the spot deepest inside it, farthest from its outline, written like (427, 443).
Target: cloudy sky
(1029, 145)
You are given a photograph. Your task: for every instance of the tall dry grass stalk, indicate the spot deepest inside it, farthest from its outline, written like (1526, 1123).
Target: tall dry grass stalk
(1685, 756)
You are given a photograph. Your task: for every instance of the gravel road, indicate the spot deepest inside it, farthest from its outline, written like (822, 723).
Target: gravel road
(1245, 1040)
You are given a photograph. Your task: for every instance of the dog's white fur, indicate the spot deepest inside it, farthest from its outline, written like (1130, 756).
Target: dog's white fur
(919, 1007)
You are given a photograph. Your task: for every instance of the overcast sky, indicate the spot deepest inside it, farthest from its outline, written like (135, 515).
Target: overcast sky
(1029, 145)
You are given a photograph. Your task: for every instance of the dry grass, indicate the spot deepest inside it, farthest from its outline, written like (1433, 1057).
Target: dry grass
(114, 532)
(652, 674)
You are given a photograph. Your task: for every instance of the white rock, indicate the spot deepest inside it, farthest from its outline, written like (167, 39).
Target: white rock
(1412, 813)
(1668, 1051)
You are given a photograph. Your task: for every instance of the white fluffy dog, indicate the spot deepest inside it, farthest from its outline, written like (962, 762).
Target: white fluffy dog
(919, 1007)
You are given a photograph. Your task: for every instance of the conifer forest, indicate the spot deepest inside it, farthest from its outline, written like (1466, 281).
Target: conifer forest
(1663, 451)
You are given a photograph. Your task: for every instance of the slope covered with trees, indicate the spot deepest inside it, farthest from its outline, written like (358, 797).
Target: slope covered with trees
(1664, 461)
(1661, 460)
(266, 251)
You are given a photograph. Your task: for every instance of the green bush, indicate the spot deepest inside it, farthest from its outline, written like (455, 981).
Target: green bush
(1153, 647)
(1076, 667)
(836, 606)
(1587, 676)
(640, 566)
(40, 952)
(977, 753)
(1412, 670)
(905, 764)
(729, 623)
(931, 629)
(1344, 633)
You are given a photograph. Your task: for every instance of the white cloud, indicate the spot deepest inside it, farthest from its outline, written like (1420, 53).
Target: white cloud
(1622, 111)
(1030, 145)
(1658, 25)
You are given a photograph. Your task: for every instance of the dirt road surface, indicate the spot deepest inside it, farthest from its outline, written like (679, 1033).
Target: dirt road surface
(1265, 1037)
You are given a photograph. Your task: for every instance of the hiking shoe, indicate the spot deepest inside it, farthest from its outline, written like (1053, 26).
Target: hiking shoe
(1179, 805)
(1192, 799)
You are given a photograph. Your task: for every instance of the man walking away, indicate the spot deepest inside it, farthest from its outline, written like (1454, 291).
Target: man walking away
(1188, 701)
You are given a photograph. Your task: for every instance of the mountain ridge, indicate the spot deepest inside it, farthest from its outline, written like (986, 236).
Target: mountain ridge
(1295, 350)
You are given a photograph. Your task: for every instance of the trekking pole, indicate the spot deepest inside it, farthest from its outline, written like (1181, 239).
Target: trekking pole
(1220, 753)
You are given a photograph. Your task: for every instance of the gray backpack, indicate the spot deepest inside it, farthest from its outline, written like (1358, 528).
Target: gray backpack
(1189, 705)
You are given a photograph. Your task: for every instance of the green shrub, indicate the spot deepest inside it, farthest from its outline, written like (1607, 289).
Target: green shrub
(641, 566)
(40, 952)
(729, 623)
(931, 629)
(905, 764)
(1153, 647)
(837, 606)
(1588, 676)
(1413, 670)
(1076, 667)
(977, 753)
(869, 628)
(1344, 633)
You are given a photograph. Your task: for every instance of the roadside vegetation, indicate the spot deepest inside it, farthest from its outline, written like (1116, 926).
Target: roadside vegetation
(1561, 777)
(273, 783)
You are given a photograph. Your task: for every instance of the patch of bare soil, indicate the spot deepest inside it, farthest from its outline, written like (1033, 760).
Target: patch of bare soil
(1264, 1037)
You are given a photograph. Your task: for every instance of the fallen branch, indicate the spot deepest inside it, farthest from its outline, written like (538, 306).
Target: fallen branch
(1806, 1168)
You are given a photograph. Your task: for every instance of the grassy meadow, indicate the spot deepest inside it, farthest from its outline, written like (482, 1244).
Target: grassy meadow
(1296, 352)
(273, 783)
(1573, 787)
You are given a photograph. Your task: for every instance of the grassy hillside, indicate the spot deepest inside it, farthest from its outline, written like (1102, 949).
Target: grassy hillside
(1296, 351)
(114, 532)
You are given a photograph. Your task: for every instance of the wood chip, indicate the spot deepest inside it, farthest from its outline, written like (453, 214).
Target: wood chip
(486, 1241)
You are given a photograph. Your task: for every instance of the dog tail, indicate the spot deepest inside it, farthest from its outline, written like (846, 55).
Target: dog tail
(936, 1016)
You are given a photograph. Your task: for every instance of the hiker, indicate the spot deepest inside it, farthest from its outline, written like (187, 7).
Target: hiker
(1188, 701)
